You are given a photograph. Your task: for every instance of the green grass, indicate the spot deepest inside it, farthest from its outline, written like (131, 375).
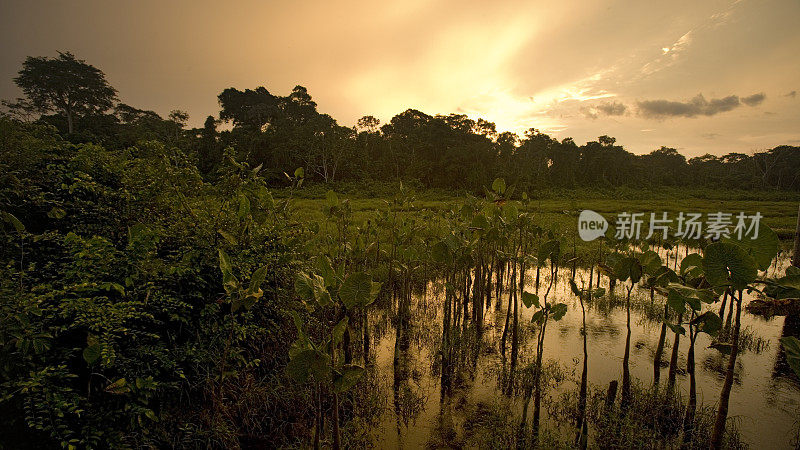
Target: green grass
(561, 208)
(558, 210)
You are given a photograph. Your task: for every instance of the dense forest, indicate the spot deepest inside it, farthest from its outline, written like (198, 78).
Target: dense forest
(279, 133)
(150, 282)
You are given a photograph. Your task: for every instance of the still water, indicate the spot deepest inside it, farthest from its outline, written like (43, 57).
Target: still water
(765, 400)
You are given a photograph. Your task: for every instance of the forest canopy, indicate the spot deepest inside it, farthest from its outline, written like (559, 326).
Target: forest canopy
(451, 151)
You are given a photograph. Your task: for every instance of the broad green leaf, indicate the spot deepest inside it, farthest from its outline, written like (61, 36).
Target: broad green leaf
(338, 330)
(499, 186)
(299, 172)
(650, 261)
(228, 237)
(307, 363)
(791, 346)
(599, 292)
(784, 287)
(304, 287)
(691, 295)
(92, 353)
(244, 206)
(224, 262)
(440, 253)
(257, 279)
(538, 317)
(347, 378)
(635, 270)
(529, 299)
(558, 310)
(325, 268)
(676, 328)
(549, 250)
(763, 249)
(662, 277)
(374, 291)
(480, 222)
(691, 260)
(708, 323)
(676, 301)
(727, 264)
(356, 290)
(574, 287)
(321, 293)
(510, 213)
(10, 218)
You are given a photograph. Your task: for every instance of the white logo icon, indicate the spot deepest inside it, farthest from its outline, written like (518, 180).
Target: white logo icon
(591, 225)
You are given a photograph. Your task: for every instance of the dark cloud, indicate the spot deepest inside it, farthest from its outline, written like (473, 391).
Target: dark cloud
(754, 100)
(612, 109)
(605, 109)
(792, 94)
(698, 106)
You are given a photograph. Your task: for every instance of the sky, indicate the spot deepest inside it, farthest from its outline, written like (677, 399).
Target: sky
(711, 76)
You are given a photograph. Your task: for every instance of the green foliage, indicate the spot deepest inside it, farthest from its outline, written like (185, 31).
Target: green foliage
(117, 291)
(727, 264)
(529, 299)
(791, 345)
(763, 248)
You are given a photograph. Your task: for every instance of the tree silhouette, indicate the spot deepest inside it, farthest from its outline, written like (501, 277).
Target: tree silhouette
(66, 85)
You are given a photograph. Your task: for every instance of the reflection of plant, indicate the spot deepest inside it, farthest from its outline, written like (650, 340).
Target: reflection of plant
(732, 266)
(550, 250)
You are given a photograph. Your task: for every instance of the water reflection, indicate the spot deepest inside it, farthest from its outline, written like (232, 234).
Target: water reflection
(444, 372)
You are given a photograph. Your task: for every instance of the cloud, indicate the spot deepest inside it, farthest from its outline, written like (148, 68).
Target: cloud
(612, 109)
(698, 106)
(605, 109)
(792, 94)
(754, 100)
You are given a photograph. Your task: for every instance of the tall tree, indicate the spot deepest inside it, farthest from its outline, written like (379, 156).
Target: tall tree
(66, 85)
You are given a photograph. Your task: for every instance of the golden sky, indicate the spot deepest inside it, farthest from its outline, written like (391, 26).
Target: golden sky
(707, 76)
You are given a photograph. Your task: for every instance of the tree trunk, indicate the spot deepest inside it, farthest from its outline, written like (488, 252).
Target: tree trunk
(68, 113)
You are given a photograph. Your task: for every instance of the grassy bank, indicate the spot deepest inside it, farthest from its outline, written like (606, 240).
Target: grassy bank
(558, 210)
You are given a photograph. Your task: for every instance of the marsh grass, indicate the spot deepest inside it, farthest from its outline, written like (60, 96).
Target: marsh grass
(653, 419)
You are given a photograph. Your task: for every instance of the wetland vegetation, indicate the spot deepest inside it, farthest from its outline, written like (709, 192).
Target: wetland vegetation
(260, 287)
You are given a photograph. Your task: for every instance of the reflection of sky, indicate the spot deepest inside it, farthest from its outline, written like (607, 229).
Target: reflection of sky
(633, 70)
(764, 402)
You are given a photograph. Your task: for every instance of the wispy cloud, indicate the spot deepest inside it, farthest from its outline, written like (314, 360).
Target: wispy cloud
(671, 54)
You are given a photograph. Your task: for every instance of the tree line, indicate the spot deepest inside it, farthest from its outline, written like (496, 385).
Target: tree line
(439, 151)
